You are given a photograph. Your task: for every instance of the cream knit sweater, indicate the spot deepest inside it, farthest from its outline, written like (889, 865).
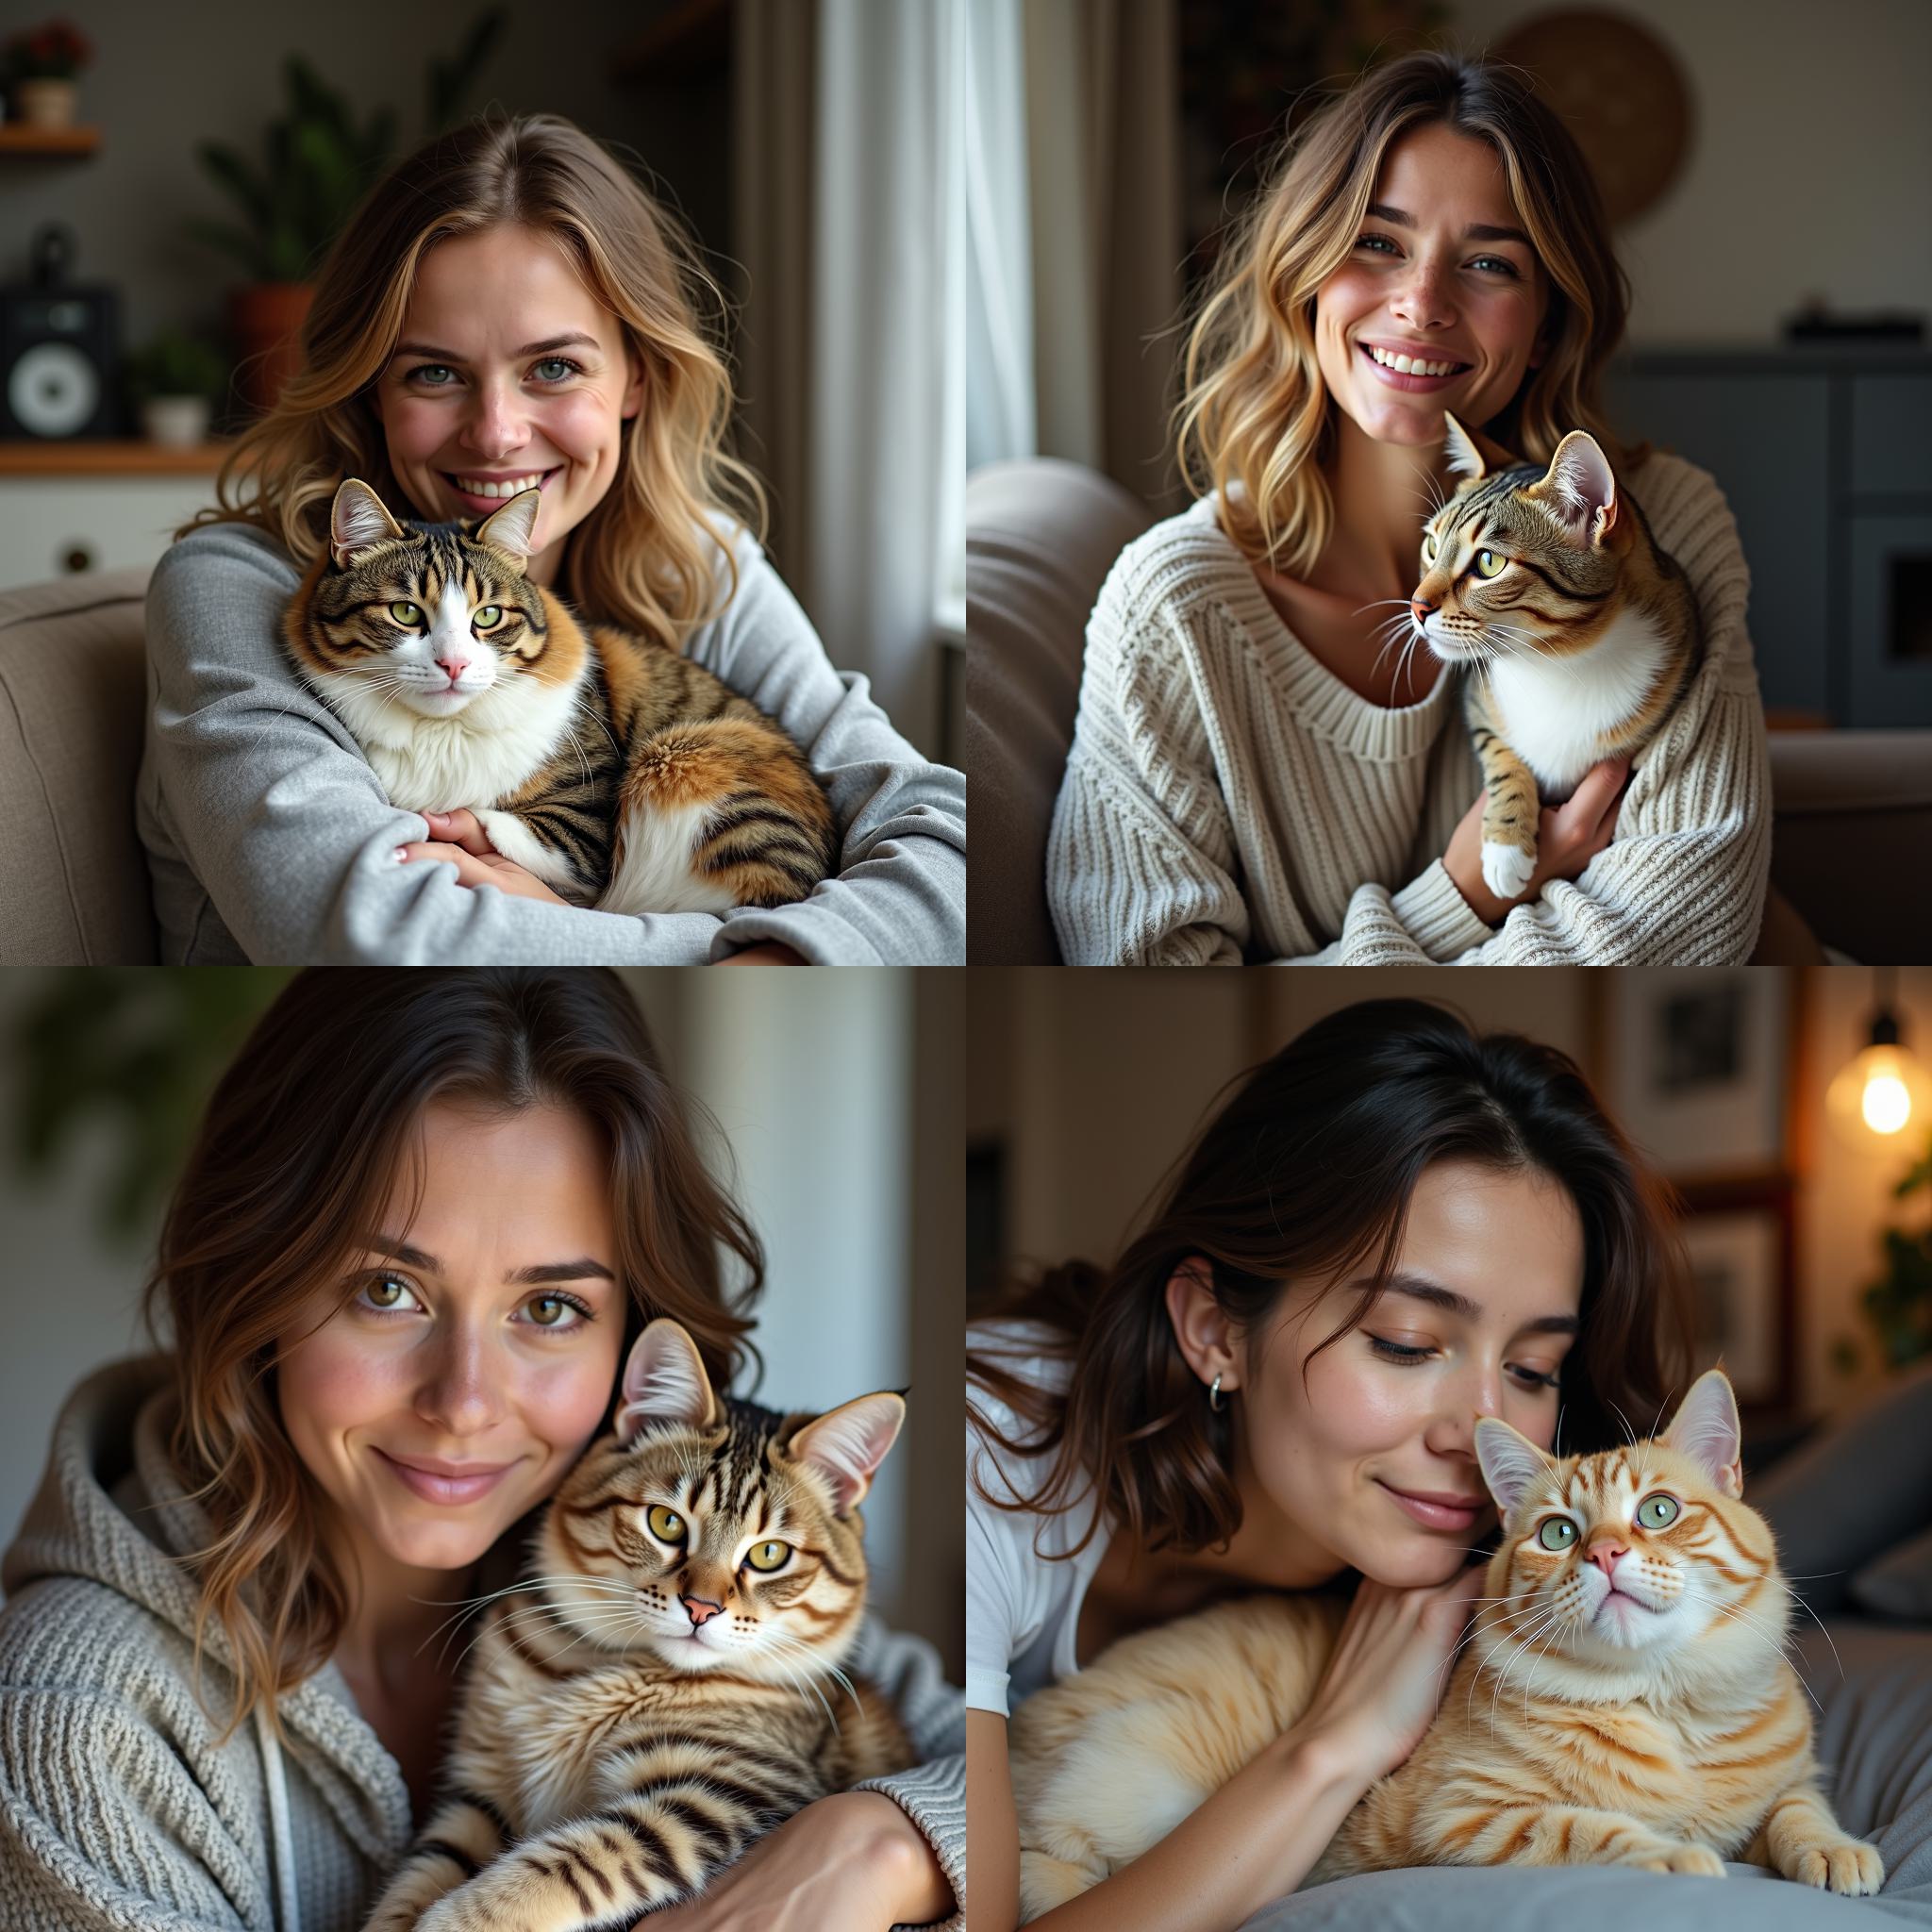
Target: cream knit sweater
(1229, 798)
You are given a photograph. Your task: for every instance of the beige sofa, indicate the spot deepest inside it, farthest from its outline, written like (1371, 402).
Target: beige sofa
(1850, 840)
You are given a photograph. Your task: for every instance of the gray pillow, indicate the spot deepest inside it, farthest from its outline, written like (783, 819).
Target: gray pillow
(1899, 1584)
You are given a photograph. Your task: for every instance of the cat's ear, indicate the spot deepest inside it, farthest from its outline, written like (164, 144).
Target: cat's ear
(511, 529)
(358, 523)
(1511, 1463)
(847, 1443)
(664, 1381)
(1580, 489)
(1706, 1429)
(1472, 453)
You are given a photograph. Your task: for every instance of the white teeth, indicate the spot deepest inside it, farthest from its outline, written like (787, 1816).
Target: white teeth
(1403, 365)
(476, 486)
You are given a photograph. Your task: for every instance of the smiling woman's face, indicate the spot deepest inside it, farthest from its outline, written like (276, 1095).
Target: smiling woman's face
(448, 1357)
(1422, 274)
(484, 384)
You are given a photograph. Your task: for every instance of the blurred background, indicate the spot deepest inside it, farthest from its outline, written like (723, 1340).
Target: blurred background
(1764, 169)
(165, 195)
(1800, 1149)
(838, 1097)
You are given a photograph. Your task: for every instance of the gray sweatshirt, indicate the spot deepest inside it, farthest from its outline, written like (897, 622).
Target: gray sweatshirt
(270, 840)
(117, 1810)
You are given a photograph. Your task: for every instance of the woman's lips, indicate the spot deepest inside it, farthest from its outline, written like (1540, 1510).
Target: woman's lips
(1434, 1515)
(1418, 384)
(445, 1489)
(491, 503)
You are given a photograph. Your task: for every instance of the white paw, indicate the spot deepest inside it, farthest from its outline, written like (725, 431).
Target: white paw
(1507, 869)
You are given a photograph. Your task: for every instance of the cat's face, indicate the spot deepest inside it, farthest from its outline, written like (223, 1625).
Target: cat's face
(1520, 560)
(716, 1535)
(1634, 1555)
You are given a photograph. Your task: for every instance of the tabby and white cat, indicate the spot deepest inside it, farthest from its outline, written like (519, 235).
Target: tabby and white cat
(1581, 633)
(655, 1695)
(621, 773)
(1623, 1697)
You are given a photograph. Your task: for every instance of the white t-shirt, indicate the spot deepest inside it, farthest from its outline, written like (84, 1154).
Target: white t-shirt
(1022, 1596)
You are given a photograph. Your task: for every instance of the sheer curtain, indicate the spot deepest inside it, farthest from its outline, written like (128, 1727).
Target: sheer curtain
(849, 207)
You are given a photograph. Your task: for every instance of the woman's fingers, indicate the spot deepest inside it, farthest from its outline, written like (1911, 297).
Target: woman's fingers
(471, 871)
(1595, 799)
(460, 827)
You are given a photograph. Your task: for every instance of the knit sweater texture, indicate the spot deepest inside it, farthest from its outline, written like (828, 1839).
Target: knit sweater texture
(117, 1809)
(1228, 798)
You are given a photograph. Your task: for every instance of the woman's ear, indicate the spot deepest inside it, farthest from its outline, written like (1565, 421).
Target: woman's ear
(1203, 1332)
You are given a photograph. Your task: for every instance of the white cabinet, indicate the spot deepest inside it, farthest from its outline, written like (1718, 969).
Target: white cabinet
(62, 526)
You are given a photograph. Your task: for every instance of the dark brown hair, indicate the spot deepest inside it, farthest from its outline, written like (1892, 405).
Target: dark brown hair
(299, 1145)
(1307, 1172)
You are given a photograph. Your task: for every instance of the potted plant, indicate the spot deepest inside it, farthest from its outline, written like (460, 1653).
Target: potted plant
(41, 64)
(175, 382)
(1898, 1305)
(319, 165)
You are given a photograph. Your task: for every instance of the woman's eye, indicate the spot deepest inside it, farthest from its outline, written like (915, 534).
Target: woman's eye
(559, 1305)
(1403, 1352)
(1654, 1512)
(1557, 1533)
(562, 362)
(1496, 261)
(667, 1525)
(405, 613)
(1489, 564)
(378, 1300)
(767, 1556)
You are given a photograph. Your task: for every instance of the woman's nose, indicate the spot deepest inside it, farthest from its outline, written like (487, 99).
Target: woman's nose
(459, 1395)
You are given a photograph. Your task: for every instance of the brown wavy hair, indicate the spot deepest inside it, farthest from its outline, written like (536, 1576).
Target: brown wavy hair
(294, 1157)
(1305, 1173)
(640, 558)
(1254, 409)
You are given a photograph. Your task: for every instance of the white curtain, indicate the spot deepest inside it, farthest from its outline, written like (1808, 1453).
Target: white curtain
(849, 205)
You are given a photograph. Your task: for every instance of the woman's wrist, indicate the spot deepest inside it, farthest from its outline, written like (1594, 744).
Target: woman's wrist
(894, 1849)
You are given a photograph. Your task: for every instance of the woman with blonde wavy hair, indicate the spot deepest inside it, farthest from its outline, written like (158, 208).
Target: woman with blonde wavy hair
(424, 1219)
(1253, 775)
(507, 302)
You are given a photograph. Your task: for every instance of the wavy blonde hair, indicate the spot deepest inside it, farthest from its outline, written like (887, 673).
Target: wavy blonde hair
(300, 1142)
(1254, 409)
(640, 558)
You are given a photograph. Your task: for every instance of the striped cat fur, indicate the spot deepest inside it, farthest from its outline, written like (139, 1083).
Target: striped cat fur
(622, 775)
(651, 1697)
(1668, 1731)
(1578, 633)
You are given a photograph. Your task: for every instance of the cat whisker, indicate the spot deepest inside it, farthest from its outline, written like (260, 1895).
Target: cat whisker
(1626, 1421)
(1784, 1645)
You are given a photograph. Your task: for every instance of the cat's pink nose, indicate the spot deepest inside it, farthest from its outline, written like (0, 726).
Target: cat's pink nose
(699, 1610)
(1604, 1556)
(453, 668)
(1421, 609)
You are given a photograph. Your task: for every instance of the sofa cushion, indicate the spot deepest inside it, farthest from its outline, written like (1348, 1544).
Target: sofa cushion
(73, 697)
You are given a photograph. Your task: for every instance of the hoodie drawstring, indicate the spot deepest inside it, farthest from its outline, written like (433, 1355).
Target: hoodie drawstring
(289, 1912)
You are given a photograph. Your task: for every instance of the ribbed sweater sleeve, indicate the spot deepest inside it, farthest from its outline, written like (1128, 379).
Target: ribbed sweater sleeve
(933, 1793)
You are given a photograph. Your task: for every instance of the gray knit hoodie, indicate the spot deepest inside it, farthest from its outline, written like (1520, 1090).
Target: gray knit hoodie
(116, 1807)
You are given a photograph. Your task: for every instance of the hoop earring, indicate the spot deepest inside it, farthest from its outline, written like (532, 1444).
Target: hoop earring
(1216, 1400)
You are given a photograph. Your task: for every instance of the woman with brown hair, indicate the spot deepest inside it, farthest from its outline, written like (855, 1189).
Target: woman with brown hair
(423, 1221)
(508, 304)
(1254, 773)
(1393, 1227)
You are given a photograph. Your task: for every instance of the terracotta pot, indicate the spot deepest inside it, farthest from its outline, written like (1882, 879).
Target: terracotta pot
(266, 319)
(176, 422)
(44, 102)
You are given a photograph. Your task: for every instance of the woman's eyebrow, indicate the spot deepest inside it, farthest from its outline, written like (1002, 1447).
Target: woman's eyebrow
(1434, 1293)
(569, 342)
(581, 1270)
(1476, 231)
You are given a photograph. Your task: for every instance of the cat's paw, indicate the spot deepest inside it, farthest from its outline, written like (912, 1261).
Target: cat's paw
(1698, 1860)
(1507, 869)
(1848, 1866)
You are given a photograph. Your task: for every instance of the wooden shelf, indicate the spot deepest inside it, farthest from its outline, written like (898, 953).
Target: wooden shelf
(105, 459)
(21, 138)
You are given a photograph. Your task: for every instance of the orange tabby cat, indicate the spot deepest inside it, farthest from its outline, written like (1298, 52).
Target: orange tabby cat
(1623, 1697)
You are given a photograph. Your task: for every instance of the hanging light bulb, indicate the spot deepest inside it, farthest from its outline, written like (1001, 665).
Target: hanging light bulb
(1883, 1091)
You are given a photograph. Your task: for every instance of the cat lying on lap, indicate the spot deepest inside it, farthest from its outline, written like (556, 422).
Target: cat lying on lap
(621, 775)
(1623, 1696)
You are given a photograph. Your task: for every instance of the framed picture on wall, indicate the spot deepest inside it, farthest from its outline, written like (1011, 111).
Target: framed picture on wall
(1738, 1241)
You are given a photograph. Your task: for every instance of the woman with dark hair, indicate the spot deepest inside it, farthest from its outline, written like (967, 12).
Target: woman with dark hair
(422, 1222)
(1255, 772)
(1393, 1227)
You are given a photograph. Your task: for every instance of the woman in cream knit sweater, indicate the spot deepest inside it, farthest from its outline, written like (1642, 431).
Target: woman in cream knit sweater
(1253, 777)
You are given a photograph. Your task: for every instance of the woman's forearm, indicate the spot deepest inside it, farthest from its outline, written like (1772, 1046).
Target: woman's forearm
(1252, 1841)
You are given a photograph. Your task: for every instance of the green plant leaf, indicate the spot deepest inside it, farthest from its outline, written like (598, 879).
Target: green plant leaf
(245, 248)
(235, 175)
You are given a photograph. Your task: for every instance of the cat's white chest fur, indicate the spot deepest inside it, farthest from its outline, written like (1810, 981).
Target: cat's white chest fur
(1555, 711)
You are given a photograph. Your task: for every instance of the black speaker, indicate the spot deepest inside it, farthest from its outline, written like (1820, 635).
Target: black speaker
(59, 351)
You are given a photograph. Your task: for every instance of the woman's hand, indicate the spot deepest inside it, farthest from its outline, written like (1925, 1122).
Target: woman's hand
(1389, 1667)
(464, 845)
(1567, 839)
(854, 1860)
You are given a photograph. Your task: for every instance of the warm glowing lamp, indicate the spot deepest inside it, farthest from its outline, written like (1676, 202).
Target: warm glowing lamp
(1884, 1090)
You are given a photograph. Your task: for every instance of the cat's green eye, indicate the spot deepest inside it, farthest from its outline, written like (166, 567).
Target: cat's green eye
(1488, 564)
(405, 613)
(667, 1525)
(1654, 1512)
(768, 1555)
(490, 614)
(1557, 1533)
(1428, 549)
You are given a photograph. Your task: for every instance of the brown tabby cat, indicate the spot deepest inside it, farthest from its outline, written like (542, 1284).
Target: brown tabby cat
(653, 1701)
(1582, 633)
(1623, 1698)
(621, 773)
